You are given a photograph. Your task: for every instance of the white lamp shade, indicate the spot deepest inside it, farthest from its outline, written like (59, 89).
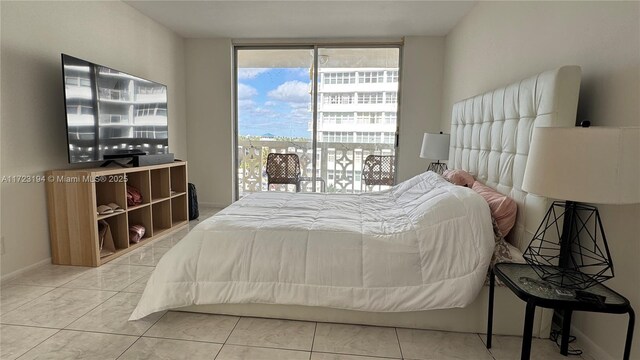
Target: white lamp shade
(598, 165)
(435, 146)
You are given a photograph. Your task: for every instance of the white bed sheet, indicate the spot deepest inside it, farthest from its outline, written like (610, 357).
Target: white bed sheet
(423, 244)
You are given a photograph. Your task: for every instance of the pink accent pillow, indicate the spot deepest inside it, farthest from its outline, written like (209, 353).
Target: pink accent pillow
(503, 208)
(459, 177)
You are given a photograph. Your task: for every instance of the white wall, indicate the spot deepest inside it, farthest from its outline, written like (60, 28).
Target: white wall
(421, 102)
(501, 42)
(33, 34)
(210, 127)
(210, 102)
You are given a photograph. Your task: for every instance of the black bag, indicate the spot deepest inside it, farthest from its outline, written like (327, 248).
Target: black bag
(193, 202)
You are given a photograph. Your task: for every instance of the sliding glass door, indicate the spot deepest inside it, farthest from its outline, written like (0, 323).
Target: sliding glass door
(274, 109)
(357, 95)
(332, 107)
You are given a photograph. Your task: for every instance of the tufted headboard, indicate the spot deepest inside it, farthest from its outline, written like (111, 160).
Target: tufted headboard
(491, 133)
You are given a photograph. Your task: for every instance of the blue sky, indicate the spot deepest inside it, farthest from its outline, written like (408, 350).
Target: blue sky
(274, 100)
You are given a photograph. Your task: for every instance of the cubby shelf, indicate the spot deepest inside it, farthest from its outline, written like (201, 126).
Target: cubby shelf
(73, 219)
(155, 201)
(106, 216)
(131, 208)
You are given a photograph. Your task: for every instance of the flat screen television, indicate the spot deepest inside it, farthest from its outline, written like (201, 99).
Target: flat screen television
(111, 114)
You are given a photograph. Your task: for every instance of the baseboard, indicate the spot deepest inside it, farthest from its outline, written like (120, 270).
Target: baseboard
(14, 274)
(589, 347)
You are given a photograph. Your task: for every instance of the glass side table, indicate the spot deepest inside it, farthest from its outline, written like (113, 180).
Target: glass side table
(523, 281)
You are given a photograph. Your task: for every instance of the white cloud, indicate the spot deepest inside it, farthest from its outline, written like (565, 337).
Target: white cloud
(260, 111)
(301, 114)
(291, 92)
(246, 104)
(246, 92)
(269, 119)
(304, 105)
(250, 73)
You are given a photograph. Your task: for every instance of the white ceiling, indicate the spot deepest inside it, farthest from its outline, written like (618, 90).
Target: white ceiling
(305, 19)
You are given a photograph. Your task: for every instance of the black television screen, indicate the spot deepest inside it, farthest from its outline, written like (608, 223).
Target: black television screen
(111, 113)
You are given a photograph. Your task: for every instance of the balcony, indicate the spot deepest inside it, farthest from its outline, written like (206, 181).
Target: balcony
(338, 164)
(106, 94)
(359, 87)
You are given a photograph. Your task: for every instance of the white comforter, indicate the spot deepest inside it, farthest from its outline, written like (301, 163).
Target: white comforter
(424, 244)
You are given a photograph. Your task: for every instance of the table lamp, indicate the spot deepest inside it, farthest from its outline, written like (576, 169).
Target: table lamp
(595, 165)
(435, 147)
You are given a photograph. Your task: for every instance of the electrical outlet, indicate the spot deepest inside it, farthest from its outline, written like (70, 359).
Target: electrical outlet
(2, 245)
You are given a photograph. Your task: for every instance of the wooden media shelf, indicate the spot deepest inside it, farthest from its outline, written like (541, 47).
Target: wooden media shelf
(73, 197)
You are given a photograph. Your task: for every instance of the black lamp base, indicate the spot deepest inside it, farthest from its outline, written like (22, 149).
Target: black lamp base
(437, 167)
(570, 249)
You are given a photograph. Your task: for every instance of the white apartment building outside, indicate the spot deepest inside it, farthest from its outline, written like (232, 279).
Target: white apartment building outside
(357, 106)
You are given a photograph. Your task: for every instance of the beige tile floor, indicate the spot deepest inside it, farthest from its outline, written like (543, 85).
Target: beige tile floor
(60, 312)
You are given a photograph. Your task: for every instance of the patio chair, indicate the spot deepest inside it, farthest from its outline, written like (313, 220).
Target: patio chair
(379, 170)
(283, 169)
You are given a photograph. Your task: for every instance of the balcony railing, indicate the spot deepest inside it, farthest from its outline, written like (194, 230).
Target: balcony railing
(338, 164)
(114, 94)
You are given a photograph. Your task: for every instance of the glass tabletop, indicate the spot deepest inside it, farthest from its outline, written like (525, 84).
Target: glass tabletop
(525, 278)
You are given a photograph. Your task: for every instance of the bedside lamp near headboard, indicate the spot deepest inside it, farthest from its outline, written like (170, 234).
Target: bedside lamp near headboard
(595, 165)
(435, 147)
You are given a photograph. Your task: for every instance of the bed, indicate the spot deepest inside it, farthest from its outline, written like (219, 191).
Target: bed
(415, 255)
